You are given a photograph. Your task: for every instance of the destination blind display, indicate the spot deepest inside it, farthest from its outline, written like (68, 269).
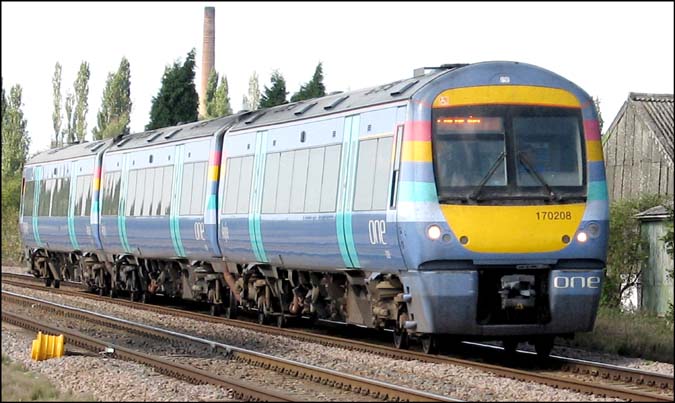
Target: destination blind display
(469, 124)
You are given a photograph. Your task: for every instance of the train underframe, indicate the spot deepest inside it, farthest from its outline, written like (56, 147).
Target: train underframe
(275, 295)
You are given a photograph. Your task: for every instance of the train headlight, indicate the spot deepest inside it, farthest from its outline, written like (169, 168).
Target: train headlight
(593, 230)
(582, 237)
(433, 232)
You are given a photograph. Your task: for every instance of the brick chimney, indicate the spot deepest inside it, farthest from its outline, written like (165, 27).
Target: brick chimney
(208, 53)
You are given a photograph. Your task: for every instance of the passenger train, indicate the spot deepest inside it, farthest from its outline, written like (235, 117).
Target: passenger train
(465, 202)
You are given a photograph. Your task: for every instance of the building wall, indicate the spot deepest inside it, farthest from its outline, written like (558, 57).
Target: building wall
(634, 161)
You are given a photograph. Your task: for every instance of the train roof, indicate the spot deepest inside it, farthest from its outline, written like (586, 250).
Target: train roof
(202, 128)
(332, 103)
(70, 151)
(338, 102)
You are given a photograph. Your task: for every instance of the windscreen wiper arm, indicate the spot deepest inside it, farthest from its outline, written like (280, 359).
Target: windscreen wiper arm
(487, 176)
(523, 159)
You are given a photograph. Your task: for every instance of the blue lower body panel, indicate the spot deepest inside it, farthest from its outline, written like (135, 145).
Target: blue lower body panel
(446, 302)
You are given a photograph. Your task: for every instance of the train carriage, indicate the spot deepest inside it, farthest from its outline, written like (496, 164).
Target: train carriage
(468, 202)
(56, 222)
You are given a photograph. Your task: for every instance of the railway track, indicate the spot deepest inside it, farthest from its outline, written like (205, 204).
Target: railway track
(360, 385)
(596, 378)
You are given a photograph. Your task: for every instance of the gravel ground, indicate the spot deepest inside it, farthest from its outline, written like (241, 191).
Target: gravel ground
(195, 355)
(124, 381)
(458, 382)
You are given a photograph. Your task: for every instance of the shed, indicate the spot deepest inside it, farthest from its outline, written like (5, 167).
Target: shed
(656, 290)
(638, 147)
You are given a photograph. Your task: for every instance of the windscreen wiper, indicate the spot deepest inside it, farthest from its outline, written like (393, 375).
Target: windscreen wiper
(487, 176)
(526, 162)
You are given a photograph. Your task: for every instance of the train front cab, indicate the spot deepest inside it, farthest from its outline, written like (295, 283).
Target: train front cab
(508, 207)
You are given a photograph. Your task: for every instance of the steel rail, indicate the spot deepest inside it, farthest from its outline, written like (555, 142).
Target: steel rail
(242, 390)
(619, 374)
(357, 384)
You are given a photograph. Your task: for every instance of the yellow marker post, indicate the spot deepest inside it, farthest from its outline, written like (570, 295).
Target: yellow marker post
(46, 346)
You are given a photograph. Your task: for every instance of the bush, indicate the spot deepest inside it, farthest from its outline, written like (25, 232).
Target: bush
(626, 250)
(11, 199)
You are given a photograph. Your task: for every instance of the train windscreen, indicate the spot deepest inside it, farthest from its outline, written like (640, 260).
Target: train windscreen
(514, 152)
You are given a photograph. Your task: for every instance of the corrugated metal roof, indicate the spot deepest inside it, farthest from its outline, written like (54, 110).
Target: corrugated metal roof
(657, 111)
(657, 212)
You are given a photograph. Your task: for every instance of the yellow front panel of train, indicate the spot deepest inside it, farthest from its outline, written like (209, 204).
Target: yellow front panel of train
(514, 229)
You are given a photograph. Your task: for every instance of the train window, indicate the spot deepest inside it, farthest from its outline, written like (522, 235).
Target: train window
(314, 177)
(28, 196)
(87, 191)
(111, 193)
(232, 171)
(284, 182)
(131, 192)
(56, 199)
(157, 194)
(198, 188)
(138, 194)
(79, 193)
(167, 190)
(331, 170)
(382, 168)
(365, 175)
(43, 201)
(245, 184)
(299, 183)
(148, 191)
(186, 189)
(64, 197)
(270, 183)
(114, 206)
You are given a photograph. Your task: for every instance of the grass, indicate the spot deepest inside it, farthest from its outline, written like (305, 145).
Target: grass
(20, 385)
(627, 334)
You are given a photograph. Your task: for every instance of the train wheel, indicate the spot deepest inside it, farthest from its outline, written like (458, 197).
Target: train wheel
(57, 283)
(401, 340)
(430, 344)
(510, 346)
(133, 296)
(215, 309)
(543, 346)
(48, 281)
(281, 320)
(262, 318)
(231, 310)
(145, 298)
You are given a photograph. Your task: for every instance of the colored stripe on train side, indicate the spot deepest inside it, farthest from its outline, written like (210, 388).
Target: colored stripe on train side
(254, 227)
(71, 210)
(174, 218)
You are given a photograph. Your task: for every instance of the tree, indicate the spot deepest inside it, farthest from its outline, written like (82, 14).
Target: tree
(596, 100)
(252, 101)
(56, 114)
(115, 113)
(177, 99)
(313, 89)
(211, 87)
(69, 131)
(276, 94)
(81, 102)
(220, 104)
(4, 103)
(15, 140)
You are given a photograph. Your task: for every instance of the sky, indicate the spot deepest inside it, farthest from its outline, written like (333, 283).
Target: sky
(608, 49)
